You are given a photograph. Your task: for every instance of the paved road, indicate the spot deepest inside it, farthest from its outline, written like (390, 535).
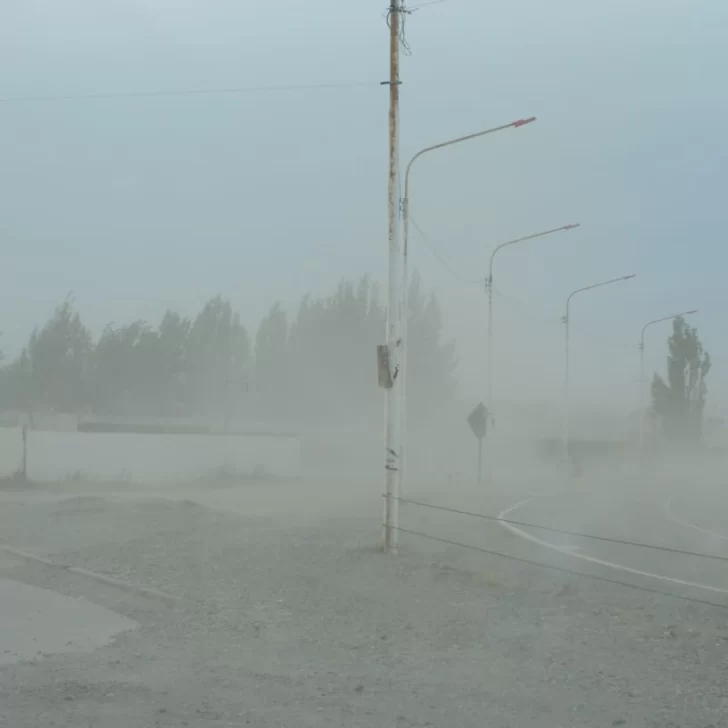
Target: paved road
(667, 517)
(669, 514)
(308, 625)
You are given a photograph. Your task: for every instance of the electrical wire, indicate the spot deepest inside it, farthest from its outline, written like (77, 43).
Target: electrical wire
(425, 5)
(593, 342)
(562, 531)
(189, 92)
(563, 570)
(517, 305)
(520, 307)
(403, 13)
(523, 309)
(430, 246)
(406, 47)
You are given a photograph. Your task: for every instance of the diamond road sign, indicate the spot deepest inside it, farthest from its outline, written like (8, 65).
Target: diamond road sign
(478, 421)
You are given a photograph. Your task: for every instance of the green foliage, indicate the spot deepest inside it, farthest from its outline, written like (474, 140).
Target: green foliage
(217, 358)
(332, 352)
(319, 365)
(15, 384)
(120, 367)
(271, 355)
(431, 361)
(53, 369)
(679, 402)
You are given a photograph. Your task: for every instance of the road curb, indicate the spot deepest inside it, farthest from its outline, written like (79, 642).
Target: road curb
(96, 576)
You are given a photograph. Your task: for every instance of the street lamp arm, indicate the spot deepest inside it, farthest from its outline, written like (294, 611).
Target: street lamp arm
(595, 285)
(404, 212)
(566, 436)
(489, 289)
(524, 239)
(466, 138)
(660, 320)
(513, 124)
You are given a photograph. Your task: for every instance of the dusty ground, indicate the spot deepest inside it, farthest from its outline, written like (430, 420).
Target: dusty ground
(286, 621)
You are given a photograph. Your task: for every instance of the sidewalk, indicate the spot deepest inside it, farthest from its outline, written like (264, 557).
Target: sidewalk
(37, 623)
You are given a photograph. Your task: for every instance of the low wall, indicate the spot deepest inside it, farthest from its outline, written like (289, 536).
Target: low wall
(143, 458)
(11, 451)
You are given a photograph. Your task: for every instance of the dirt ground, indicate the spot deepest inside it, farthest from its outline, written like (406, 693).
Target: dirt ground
(287, 615)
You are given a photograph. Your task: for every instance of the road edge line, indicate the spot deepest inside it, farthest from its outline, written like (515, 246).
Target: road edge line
(609, 564)
(679, 521)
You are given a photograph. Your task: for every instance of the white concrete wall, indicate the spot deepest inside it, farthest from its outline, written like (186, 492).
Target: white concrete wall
(146, 458)
(54, 421)
(11, 451)
(40, 420)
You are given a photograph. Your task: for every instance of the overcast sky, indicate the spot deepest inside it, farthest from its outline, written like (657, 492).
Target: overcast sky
(139, 204)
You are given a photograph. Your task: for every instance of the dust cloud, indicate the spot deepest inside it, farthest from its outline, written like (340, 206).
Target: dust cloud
(192, 436)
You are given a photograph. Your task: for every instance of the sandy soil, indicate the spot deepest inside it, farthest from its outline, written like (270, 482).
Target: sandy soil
(293, 623)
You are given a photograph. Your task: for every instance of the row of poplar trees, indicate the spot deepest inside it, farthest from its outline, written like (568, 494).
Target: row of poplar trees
(318, 363)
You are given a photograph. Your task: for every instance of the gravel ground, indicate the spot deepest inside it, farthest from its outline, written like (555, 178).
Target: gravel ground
(279, 625)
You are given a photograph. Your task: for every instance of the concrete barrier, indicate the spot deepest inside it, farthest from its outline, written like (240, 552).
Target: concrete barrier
(158, 458)
(11, 451)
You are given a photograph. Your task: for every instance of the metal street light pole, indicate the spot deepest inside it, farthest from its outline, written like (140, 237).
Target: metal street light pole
(404, 209)
(566, 350)
(642, 365)
(489, 288)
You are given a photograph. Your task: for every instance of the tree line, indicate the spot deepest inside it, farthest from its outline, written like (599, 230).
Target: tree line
(317, 365)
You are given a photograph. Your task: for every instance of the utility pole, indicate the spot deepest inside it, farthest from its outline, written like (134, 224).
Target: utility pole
(390, 520)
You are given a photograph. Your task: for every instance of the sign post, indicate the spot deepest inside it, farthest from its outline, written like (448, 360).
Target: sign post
(480, 462)
(478, 421)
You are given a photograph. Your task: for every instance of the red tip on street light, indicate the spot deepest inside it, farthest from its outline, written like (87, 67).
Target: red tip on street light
(523, 122)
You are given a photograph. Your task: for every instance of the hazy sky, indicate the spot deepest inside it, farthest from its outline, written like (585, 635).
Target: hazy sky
(140, 204)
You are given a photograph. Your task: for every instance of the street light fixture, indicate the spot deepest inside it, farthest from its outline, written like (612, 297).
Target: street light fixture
(489, 288)
(642, 364)
(404, 208)
(566, 321)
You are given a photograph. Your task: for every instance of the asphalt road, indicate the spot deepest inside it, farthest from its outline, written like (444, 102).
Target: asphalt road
(669, 513)
(670, 521)
(286, 614)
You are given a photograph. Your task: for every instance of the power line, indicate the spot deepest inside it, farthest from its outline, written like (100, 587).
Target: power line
(426, 4)
(521, 308)
(428, 243)
(589, 340)
(563, 570)
(565, 532)
(189, 92)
